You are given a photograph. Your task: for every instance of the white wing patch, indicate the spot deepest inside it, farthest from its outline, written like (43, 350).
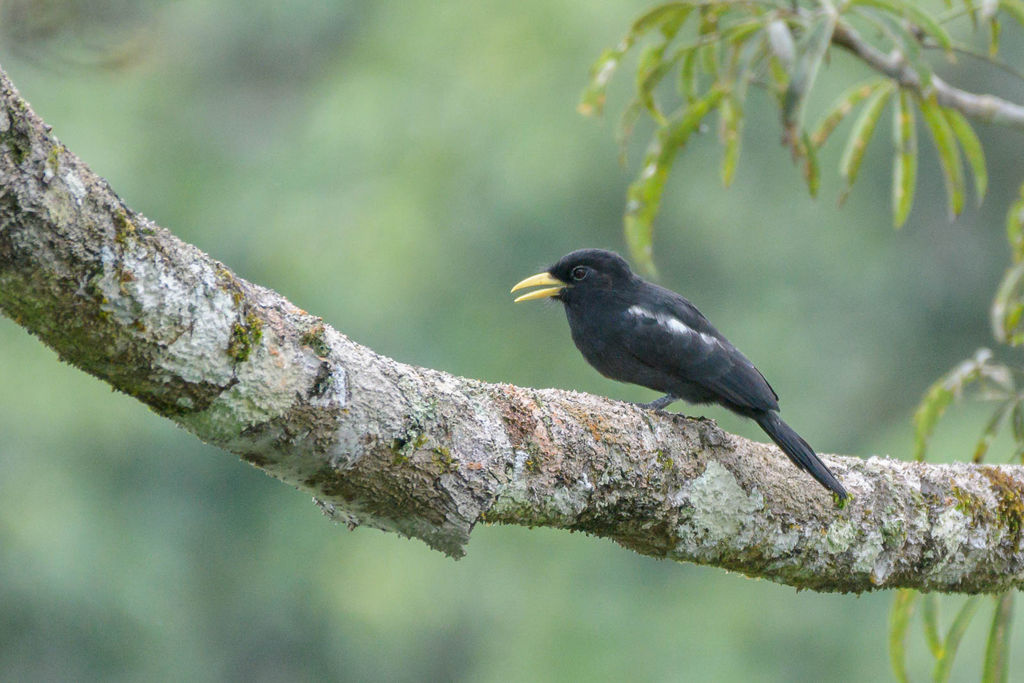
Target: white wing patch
(671, 323)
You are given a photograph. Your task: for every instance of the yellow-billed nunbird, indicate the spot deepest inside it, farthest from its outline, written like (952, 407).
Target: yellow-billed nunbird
(633, 331)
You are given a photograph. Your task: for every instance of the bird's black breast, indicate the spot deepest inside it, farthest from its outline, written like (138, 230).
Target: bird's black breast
(655, 338)
(600, 332)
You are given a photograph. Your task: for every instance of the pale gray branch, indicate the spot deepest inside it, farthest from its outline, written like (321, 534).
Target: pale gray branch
(430, 455)
(983, 107)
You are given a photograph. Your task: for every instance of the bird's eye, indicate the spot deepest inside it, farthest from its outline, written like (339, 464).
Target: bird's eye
(579, 273)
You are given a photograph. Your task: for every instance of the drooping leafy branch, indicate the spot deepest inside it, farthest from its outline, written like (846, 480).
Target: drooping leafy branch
(716, 50)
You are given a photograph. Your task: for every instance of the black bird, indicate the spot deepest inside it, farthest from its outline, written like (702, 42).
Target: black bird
(633, 331)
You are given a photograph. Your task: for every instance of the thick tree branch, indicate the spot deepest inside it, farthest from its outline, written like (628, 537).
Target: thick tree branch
(430, 455)
(987, 108)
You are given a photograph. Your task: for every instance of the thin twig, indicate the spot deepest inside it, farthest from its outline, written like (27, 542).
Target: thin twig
(967, 51)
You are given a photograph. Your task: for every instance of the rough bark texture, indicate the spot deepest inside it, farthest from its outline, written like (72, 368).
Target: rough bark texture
(430, 455)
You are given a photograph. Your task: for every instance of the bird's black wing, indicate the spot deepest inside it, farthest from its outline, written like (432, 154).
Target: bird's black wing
(667, 333)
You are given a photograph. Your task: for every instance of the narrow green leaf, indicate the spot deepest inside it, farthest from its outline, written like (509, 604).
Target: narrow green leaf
(592, 101)
(689, 76)
(997, 651)
(668, 17)
(930, 617)
(708, 27)
(639, 232)
(643, 197)
(971, 146)
(1015, 227)
(944, 664)
(842, 106)
(646, 71)
(672, 23)
(708, 55)
(740, 32)
(944, 391)
(780, 78)
(812, 170)
(899, 619)
(1017, 420)
(857, 143)
(730, 129)
(1015, 8)
(650, 70)
(995, 27)
(683, 124)
(949, 154)
(653, 65)
(805, 71)
(659, 16)
(972, 10)
(1008, 307)
(904, 167)
(992, 429)
(709, 15)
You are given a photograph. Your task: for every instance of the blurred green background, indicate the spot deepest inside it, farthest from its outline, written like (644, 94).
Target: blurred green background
(395, 167)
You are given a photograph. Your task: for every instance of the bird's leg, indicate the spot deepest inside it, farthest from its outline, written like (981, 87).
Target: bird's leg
(659, 404)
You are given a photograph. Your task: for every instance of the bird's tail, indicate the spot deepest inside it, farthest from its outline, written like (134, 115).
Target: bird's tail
(799, 451)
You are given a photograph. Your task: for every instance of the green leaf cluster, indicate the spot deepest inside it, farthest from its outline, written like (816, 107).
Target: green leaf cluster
(701, 57)
(717, 49)
(943, 648)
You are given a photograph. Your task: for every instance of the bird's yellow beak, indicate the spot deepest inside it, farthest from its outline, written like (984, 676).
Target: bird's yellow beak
(536, 281)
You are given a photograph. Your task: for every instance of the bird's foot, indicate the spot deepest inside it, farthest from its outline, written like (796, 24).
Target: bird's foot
(659, 404)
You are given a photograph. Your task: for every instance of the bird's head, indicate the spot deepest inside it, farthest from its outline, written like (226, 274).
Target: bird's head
(578, 274)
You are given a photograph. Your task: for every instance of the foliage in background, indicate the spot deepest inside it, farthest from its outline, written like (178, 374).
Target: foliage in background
(714, 52)
(780, 46)
(96, 33)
